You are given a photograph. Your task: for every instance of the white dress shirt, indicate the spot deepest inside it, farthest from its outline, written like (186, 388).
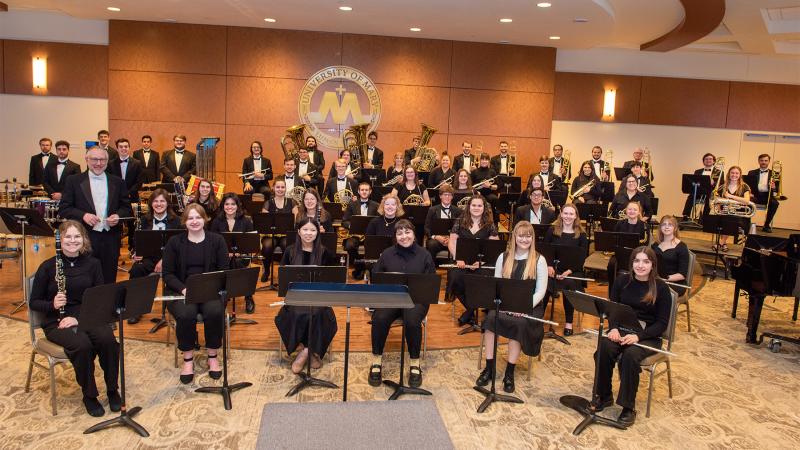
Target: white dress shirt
(598, 168)
(763, 180)
(60, 169)
(45, 159)
(289, 180)
(123, 167)
(146, 155)
(178, 159)
(504, 164)
(99, 187)
(162, 225)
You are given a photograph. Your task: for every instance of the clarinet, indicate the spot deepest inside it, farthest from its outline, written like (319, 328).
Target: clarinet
(61, 280)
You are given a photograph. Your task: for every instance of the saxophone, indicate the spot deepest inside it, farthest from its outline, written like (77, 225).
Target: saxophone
(61, 279)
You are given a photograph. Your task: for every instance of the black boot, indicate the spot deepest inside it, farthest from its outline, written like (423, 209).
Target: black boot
(249, 305)
(486, 375)
(508, 379)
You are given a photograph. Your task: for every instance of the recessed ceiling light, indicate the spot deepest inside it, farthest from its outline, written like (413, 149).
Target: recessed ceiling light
(113, 8)
(415, 29)
(345, 8)
(555, 38)
(506, 20)
(544, 5)
(270, 20)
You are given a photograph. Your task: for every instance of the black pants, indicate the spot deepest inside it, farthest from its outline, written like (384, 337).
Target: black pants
(351, 245)
(186, 323)
(434, 247)
(630, 357)
(261, 187)
(105, 247)
(564, 285)
(268, 246)
(142, 268)
(412, 319)
(82, 347)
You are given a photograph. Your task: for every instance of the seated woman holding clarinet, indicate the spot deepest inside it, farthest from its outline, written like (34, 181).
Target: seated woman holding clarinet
(406, 256)
(520, 262)
(58, 292)
(187, 254)
(672, 253)
(650, 298)
(292, 321)
(310, 207)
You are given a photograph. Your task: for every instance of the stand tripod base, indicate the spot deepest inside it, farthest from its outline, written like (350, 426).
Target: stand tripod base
(18, 307)
(494, 397)
(240, 321)
(400, 389)
(159, 323)
(225, 390)
(550, 334)
(308, 380)
(125, 419)
(582, 406)
(471, 328)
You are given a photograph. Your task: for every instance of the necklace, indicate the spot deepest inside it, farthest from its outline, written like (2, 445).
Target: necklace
(387, 222)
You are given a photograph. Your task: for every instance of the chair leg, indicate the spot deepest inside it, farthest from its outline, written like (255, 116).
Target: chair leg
(52, 385)
(669, 378)
(30, 373)
(480, 353)
(688, 318)
(424, 337)
(530, 367)
(650, 389)
(453, 310)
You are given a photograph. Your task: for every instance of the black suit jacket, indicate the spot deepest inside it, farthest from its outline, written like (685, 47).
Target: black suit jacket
(76, 200)
(112, 153)
(354, 209)
(150, 172)
(761, 197)
(36, 171)
(248, 165)
(316, 178)
(524, 213)
(435, 212)
(169, 171)
(645, 166)
(458, 161)
(552, 163)
(602, 164)
(330, 188)
(133, 176)
(715, 174)
(51, 182)
(494, 163)
(318, 159)
(408, 155)
(377, 158)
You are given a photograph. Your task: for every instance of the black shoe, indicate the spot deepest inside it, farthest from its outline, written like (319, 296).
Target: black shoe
(598, 405)
(93, 407)
(466, 318)
(214, 374)
(627, 417)
(358, 274)
(375, 379)
(134, 320)
(567, 331)
(415, 377)
(508, 383)
(114, 401)
(249, 305)
(265, 275)
(186, 379)
(485, 377)
(766, 229)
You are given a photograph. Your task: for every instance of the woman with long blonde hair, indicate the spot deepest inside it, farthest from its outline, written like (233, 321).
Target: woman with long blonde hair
(734, 189)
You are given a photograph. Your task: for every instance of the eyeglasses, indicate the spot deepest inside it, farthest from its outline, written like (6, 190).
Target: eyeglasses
(97, 160)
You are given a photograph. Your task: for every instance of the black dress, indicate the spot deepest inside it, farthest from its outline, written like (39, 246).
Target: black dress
(455, 277)
(403, 192)
(270, 243)
(292, 321)
(623, 226)
(672, 261)
(567, 239)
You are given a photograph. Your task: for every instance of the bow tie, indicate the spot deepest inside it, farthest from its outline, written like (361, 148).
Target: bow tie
(158, 221)
(446, 209)
(45, 155)
(288, 177)
(100, 177)
(764, 170)
(146, 151)
(364, 203)
(504, 156)
(257, 159)
(62, 163)
(371, 148)
(544, 173)
(340, 179)
(557, 160)
(124, 161)
(179, 151)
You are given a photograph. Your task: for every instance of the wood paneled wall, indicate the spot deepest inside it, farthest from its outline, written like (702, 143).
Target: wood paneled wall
(243, 84)
(679, 101)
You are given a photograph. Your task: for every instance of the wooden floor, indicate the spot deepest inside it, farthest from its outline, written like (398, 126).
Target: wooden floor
(441, 331)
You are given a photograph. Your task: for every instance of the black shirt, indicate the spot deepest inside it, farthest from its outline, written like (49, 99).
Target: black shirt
(403, 192)
(623, 226)
(674, 260)
(80, 273)
(630, 291)
(621, 200)
(566, 239)
(175, 263)
(327, 259)
(381, 226)
(485, 232)
(288, 204)
(240, 224)
(397, 258)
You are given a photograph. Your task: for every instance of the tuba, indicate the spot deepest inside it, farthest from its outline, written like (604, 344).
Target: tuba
(293, 139)
(355, 141)
(426, 154)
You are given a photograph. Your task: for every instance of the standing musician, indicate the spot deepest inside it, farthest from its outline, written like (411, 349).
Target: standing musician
(672, 253)
(80, 272)
(374, 154)
(396, 169)
(206, 198)
(591, 195)
(734, 189)
(475, 223)
(310, 206)
(500, 161)
(406, 256)
(103, 139)
(631, 223)
(127, 168)
(520, 262)
(411, 185)
(340, 180)
(598, 165)
(766, 190)
(463, 183)
(643, 184)
(187, 254)
(709, 170)
(629, 192)
(290, 177)
(444, 210)
(160, 216)
(261, 168)
(647, 171)
(535, 181)
(389, 211)
(466, 160)
(279, 203)
(178, 162)
(98, 199)
(410, 154)
(552, 182)
(39, 162)
(310, 173)
(361, 207)
(350, 166)
(559, 165)
(535, 212)
(567, 230)
(149, 159)
(58, 170)
(292, 321)
(484, 175)
(650, 298)
(315, 155)
(442, 172)
(232, 218)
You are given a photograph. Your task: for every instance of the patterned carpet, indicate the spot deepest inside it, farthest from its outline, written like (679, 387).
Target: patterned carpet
(726, 394)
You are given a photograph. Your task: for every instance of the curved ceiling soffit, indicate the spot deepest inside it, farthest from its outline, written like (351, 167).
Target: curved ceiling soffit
(701, 18)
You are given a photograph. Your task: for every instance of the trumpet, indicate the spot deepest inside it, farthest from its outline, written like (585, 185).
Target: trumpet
(582, 190)
(352, 172)
(480, 183)
(643, 187)
(393, 181)
(252, 174)
(445, 181)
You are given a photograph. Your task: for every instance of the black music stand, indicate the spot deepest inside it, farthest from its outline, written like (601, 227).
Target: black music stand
(334, 209)
(273, 224)
(424, 290)
(540, 230)
(150, 244)
(490, 292)
(116, 302)
(253, 207)
(359, 224)
(507, 203)
(24, 222)
(720, 225)
(441, 227)
(602, 309)
(481, 251)
(375, 245)
(609, 224)
(561, 257)
(696, 186)
(221, 286)
(607, 191)
(240, 243)
(509, 184)
(621, 172)
(591, 212)
(433, 194)
(608, 241)
(298, 281)
(378, 191)
(558, 198)
(374, 176)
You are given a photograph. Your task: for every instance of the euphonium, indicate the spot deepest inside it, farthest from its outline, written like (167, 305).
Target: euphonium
(426, 154)
(355, 140)
(295, 138)
(728, 207)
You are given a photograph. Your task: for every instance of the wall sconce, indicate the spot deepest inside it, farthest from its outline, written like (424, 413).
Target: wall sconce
(609, 102)
(39, 73)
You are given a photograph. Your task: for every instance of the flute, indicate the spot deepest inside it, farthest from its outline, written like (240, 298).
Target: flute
(647, 347)
(530, 317)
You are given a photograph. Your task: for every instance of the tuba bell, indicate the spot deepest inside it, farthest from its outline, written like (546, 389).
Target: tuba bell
(426, 154)
(293, 140)
(354, 139)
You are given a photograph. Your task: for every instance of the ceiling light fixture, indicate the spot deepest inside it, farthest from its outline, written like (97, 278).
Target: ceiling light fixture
(506, 20)
(415, 29)
(544, 5)
(345, 8)
(504, 42)
(609, 103)
(270, 20)
(580, 20)
(113, 8)
(555, 38)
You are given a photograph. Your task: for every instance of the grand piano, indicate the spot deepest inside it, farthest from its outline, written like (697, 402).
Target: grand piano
(769, 268)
